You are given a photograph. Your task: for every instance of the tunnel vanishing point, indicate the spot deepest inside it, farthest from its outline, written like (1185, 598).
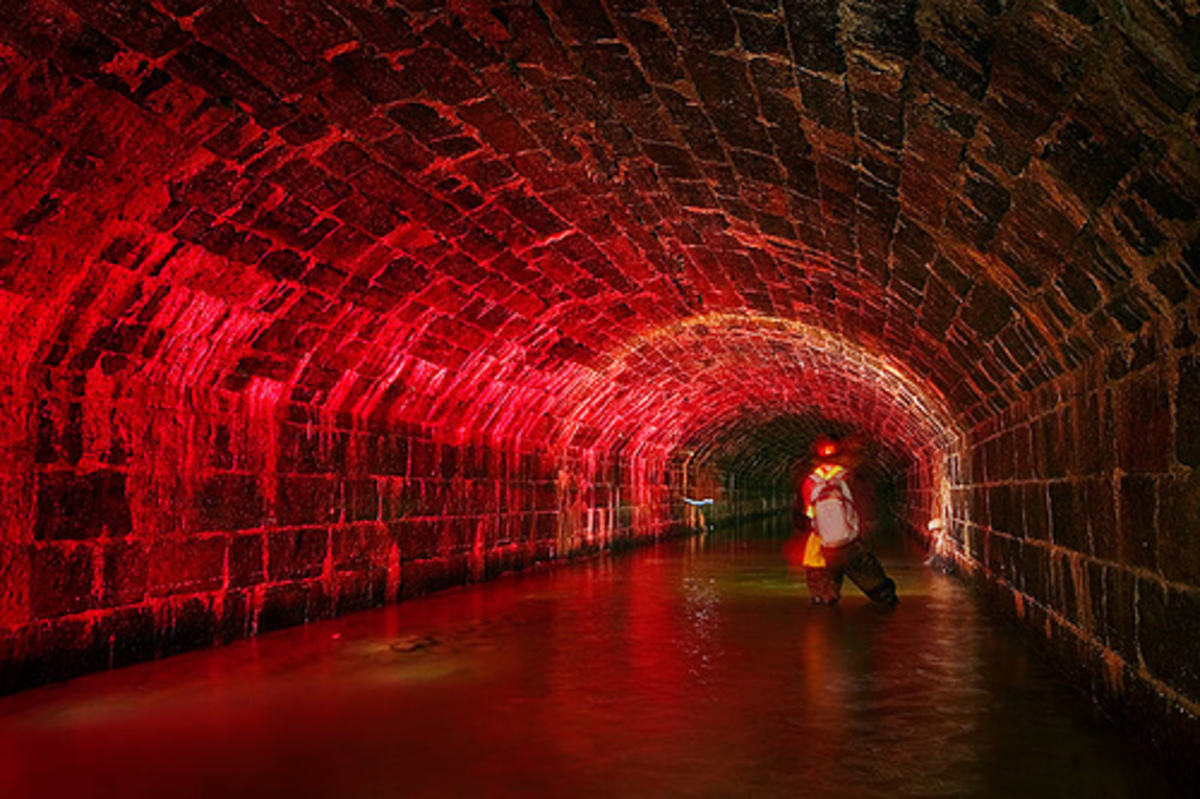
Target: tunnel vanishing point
(313, 305)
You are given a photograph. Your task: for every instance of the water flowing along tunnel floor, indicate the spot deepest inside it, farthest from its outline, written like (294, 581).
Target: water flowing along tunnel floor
(691, 668)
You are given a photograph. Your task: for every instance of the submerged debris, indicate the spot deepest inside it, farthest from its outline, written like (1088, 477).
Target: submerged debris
(412, 643)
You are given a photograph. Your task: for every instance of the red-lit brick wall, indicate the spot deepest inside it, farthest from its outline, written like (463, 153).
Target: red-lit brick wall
(159, 520)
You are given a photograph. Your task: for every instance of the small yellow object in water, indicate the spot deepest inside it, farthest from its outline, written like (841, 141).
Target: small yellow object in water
(813, 559)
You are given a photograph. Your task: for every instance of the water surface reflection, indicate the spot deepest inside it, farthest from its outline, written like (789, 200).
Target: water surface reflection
(695, 668)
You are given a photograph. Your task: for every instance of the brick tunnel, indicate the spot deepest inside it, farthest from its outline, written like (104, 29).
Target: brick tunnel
(316, 305)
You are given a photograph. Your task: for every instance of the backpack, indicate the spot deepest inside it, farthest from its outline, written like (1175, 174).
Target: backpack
(830, 505)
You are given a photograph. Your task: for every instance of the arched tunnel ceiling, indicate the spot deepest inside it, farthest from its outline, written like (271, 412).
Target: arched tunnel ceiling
(432, 211)
(698, 382)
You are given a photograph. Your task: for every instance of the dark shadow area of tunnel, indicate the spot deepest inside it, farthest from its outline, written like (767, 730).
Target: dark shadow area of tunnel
(772, 457)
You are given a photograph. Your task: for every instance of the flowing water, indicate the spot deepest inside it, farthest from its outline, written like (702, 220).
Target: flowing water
(692, 668)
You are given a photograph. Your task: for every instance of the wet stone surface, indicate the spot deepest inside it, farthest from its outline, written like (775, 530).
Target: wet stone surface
(695, 668)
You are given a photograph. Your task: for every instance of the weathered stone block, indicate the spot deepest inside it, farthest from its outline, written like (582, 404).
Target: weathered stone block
(129, 634)
(959, 72)
(60, 579)
(434, 574)
(185, 566)
(1143, 422)
(359, 547)
(229, 502)
(762, 35)
(1035, 572)
(297, 554)
(999, 555)
(1062, 586)
(387, 455)
(307, 500)
(1092, 160)
(374, 77)
(1036, 509)
(125, 573)
(236, 617)
(1022, 436)
(1179, 528)
(418, 539)
(1187, 416)
(362, 500)
(1069, 524)
(189, 624)
(59, 650)
(442, 77)
(1101, 518)
(1138, 524)
(1003, 510)
(813, 30)
(359, 591)
(246, 566)
(656, 51)
(423, 458)
(1042, 430)
(73, 505)
(287, 606)
(988, 309)
(1120, 631)
(1168, 626)
(1094, 574)
(1091, 454)
(976, 543)
(143, 28)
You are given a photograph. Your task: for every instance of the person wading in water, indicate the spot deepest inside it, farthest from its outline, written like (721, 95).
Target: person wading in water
(834, 549)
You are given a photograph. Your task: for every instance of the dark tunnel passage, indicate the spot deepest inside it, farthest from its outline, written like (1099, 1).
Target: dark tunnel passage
(312, 306)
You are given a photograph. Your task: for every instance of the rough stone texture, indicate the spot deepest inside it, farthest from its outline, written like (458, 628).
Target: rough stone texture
(280, 519)
(1108, 569)
(314, 304)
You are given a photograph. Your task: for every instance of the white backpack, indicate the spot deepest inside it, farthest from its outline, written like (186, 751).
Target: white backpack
(831, 507)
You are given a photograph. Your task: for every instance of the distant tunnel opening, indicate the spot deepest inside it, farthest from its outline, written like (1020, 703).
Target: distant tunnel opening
(775, 456)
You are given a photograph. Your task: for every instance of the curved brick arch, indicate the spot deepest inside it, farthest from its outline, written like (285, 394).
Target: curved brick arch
(374, 175)
(313, 304)
(324, 180)
(682, 383)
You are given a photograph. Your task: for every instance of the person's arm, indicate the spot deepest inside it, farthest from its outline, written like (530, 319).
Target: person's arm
(806, 491)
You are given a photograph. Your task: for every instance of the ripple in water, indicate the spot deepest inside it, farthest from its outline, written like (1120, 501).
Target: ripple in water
(691, 669)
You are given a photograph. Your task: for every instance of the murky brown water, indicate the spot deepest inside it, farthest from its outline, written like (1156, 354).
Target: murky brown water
(695, 668)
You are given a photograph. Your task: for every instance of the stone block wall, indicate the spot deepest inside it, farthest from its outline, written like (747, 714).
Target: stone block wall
(1078, 513)
(150, 521)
